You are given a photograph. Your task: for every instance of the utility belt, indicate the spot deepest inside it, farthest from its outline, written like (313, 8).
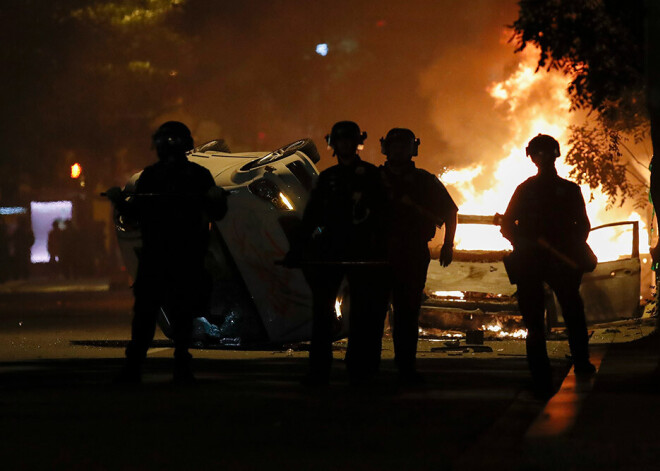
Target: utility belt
(522, 263)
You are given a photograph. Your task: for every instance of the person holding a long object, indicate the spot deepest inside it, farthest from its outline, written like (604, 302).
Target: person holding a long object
(547, 225)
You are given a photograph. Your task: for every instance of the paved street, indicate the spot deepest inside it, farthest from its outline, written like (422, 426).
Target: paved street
(60, 350)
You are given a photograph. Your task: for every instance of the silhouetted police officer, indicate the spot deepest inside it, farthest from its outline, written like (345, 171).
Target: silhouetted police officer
(419, 203)
(547, 224)
(174, 201)
(343, 235)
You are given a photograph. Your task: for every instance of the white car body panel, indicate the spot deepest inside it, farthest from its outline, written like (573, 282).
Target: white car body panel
(611, 292)
(252, 234)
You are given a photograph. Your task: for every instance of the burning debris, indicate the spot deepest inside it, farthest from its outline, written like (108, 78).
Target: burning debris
(485, 188)
(501, 332)
(494, 331)
(455, 295)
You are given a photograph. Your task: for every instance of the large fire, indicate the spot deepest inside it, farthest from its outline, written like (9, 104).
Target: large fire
(551, 116)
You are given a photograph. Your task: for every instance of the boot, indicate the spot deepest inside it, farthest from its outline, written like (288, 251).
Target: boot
(584, 368)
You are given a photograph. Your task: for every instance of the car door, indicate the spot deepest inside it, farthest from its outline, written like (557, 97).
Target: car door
(612, 291)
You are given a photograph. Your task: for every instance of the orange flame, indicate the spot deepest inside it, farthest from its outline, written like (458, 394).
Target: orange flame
(528, 117)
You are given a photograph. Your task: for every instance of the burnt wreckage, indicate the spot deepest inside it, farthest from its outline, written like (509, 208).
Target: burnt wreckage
(255, 301)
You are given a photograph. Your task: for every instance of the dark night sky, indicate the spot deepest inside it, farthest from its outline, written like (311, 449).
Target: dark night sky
(387, 65)
(248, 72)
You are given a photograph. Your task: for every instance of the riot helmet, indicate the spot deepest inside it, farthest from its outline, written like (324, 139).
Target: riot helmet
(400, 136)
(348, 130)
(172, 138)
(543, 144)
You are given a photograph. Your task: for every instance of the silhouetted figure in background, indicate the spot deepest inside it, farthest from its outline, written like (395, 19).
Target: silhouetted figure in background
(55, 247)
(547, 224)
(4, 252)
(419, 202)
(174, 201)
(22, 241)
(69, 250)
(343, 223)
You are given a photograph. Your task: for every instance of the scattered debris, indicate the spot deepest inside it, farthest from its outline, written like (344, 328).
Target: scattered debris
(463, 349)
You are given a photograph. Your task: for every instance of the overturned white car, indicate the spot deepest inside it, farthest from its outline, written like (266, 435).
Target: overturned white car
(254, 300)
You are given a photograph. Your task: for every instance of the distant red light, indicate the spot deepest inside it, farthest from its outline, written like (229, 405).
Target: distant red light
(381, 23)
(76, 170)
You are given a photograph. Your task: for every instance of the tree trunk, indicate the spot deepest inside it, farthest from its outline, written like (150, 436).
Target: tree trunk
(653, 90)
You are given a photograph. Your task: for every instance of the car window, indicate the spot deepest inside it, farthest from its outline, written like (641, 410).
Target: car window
(614, 241)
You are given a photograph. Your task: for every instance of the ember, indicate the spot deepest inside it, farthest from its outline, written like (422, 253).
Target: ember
(501, 333)
(449, 294)
(338, 302)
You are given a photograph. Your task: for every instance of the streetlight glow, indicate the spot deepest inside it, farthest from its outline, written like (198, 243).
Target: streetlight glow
(76, 170)
(322, 49)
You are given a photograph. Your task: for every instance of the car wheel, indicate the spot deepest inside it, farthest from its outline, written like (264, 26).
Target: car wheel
(305, 146)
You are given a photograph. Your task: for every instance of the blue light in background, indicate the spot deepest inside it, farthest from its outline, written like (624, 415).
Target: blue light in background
(8, 210)
(322, 49)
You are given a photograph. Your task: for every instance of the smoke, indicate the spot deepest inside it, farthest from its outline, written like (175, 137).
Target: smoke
(456, 85)
(248, 72)
(424, 65)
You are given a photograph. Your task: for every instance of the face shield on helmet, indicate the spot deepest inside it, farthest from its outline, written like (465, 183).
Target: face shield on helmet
(172, 138)
(346, 136)
(544, 145)
(399, 143)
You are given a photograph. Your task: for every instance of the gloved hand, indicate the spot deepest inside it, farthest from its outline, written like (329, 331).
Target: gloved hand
(114, 194)
(446, 255)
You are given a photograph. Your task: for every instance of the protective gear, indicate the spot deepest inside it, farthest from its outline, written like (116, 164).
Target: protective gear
(543, 143)
(548, 211)
(345, 220)
(418, 202)
(171, 276)
(345, 129)
(401, 135)
(114, 194)
(172, 137)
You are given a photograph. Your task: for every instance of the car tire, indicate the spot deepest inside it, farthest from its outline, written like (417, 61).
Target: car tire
(306, 146)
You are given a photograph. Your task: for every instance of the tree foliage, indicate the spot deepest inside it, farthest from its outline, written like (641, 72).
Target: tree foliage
(599, 44)
(596, 157)
(87, 69)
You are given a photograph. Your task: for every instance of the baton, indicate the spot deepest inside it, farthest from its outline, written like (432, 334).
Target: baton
(127, 194)
(560, 255)
(423, 211)
(374, 263)
(543, 243)
(104, 194)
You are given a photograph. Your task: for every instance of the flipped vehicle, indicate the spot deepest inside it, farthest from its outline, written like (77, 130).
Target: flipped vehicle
(475, 288)
(254, 300)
